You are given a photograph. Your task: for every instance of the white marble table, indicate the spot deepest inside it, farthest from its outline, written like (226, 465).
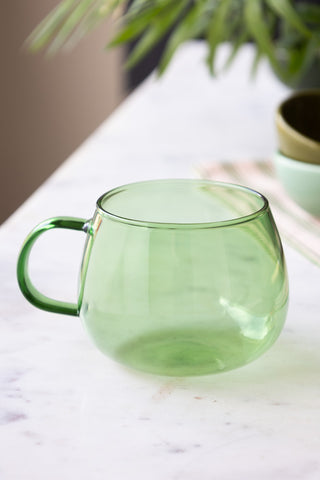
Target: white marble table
(67, 412)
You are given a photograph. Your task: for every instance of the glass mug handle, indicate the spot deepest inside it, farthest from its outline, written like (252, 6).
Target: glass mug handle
(27, 288)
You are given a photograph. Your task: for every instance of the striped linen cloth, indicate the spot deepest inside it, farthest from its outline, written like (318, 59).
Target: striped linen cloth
(297, 227)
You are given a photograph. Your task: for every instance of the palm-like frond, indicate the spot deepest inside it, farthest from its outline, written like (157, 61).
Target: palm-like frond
(266, 23)
(69, 22)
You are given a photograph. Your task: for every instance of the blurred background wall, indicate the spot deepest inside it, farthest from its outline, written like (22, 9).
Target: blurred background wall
(49, 106)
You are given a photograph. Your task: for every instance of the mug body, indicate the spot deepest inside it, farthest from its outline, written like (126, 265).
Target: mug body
(183, 277)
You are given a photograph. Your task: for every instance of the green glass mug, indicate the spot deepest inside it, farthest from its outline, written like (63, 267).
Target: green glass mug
(178, 277)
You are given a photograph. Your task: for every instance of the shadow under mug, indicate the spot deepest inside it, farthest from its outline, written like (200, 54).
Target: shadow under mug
(178, 277)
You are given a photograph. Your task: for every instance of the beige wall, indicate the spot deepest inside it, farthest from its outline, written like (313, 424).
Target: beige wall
(49, 106)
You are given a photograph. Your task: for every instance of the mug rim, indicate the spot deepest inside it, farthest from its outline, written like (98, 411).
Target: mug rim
(191, 225)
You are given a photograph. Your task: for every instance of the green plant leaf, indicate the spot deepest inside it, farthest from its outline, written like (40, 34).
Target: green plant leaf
(285, 10)
(135, 25)
(312, 50)
(241, 40)
(218, 30)
(95, 15)
(194, 23)
(138, 5)
(298, 61)
(155, 32)
(310, 14)
(69, 25)
(256, 61)
(44, 32)
(258, 29)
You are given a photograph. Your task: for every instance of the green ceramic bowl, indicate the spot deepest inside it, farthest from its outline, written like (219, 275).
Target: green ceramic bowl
(301, 180)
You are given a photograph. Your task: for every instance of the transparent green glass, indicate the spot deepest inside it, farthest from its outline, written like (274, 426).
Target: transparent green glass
(179, 277)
